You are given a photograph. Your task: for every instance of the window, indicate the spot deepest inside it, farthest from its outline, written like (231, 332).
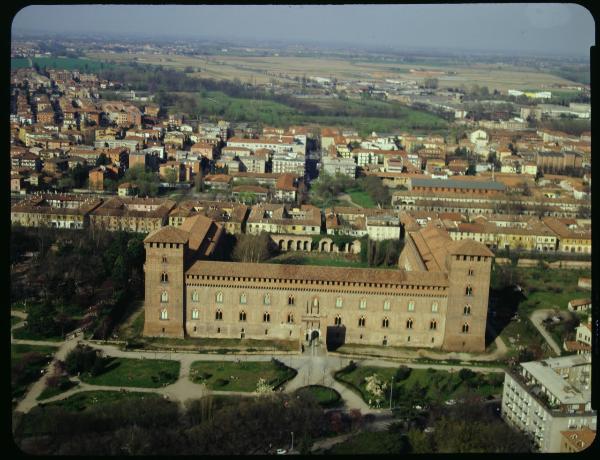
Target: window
(465, 328)
(467, 310)
(433, 325)
(164, 259)
(164, 278)
(219, 297)
(469, 291)
(338, 302)
(409, 324)
(243, 298)
(290, 318)
(242, 316)
(361, 321)
(471, 272)
(266, 317)
(385, 323)
(337, 320)
(195, 313)
(411, 306)
(291, 300)
(434, 307)
(164, 296)
(164, 314)
(363, 304)
(219, 315)
(386, 305)
(267, 299)
(195, 296)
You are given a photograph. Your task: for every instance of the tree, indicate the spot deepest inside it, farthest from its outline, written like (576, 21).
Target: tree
(102, 160)
(252, 248)
(171, 176)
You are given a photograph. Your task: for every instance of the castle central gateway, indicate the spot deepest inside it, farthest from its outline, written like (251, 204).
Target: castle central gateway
(436, 298)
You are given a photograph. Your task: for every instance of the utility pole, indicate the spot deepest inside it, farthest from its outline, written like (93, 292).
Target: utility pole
(391, 391)
(292, 448)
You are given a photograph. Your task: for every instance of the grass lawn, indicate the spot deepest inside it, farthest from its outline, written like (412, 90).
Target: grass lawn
(145, 373)
(23, 333)
(14, 320)
(26, 363)
(325, 396)
(86, 399)
(366, 442)
(425, 384)
(49, 392)
(323, 260)
(361, 198)
(239, 376)
(213, 345)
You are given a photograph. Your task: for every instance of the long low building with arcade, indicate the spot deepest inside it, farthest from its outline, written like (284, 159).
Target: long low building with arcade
(436, 298)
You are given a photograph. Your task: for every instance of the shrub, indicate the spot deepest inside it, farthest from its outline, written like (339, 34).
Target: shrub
(221, 382)
(81, 359)
(466, 374)
(402, 373)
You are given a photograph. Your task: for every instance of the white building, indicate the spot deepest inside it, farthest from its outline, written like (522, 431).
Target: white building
(383, 227)
(479, 137)
(343, 166)
(290, 162)
(546, 397)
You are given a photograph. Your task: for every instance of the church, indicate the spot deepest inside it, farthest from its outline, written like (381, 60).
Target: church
(437, 297)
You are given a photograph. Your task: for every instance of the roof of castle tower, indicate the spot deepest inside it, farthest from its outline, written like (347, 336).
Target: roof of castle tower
(469, 247)
(167, 235)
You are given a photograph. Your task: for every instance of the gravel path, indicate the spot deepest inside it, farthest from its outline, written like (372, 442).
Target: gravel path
(536, 318)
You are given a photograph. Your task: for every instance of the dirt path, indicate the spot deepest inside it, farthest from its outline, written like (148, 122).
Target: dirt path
(348, 199)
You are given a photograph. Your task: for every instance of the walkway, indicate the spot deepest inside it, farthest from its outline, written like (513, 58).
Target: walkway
(536, 318)
(315, 367)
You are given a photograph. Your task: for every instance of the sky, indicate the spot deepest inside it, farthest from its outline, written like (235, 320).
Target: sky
(561, 29)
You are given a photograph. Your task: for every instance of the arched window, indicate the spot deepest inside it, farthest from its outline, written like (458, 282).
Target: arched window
(339, 302)
(469, 291)
(385, 323)
(409, 324)
(267, 299)
(363, 304)
(291, 300)
(219, 315)
(411, 306)
(243, 298)
(361, 321)
(433, 325)
(219, 297)
(290, 318)
(164, 278)
(195, 313)
(242, 315)
(164, 314)
(337, 320)
(465, 328)
(386, 305)
(434, 307)
(195, 296)
(471, 272)
(164, 296)
(164, 259)
(266, 317)
(467, 310)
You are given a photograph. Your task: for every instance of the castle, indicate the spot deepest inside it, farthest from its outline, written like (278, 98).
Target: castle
(437, 298)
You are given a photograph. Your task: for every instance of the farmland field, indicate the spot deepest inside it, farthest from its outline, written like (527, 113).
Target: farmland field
(86, 65)
(262, 70)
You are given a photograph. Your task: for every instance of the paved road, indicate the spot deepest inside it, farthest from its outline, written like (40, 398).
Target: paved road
(536, 318)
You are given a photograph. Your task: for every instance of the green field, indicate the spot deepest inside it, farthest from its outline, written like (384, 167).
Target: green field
(86, 399)
(49, 392)
(325, 396)
(144, 373)
(26, 363)
(362, 198)
(322, 260)
(422, 384)
(212, 345)
(24, 333)
(239, 376)
(14, 320)
(373, 443)
(82, 64)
